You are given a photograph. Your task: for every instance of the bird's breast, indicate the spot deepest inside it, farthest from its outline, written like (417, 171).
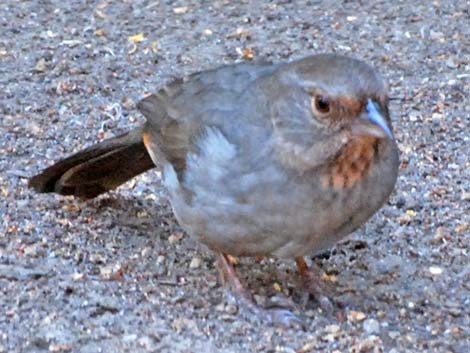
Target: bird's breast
(352, 164)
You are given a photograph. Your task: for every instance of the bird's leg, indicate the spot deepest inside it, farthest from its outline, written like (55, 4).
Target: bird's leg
(246, 302)
(314, 284)
(230, 278)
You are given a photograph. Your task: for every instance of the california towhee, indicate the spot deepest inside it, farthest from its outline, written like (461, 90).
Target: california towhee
(258, 159)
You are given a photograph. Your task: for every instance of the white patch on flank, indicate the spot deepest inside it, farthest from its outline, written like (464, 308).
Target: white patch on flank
(216, 147)
(214, 155)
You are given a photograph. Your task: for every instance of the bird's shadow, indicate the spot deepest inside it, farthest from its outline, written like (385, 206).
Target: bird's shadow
(273, 282)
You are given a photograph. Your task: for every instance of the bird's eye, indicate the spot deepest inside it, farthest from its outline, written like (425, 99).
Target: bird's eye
(322, 104)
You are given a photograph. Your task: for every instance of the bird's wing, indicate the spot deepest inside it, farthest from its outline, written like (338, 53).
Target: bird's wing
(181, 111)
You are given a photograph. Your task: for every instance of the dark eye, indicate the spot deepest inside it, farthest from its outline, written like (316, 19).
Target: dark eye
(322, 104)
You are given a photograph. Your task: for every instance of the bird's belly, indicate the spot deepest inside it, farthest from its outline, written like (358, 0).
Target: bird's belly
(287, 224)
(257, 224)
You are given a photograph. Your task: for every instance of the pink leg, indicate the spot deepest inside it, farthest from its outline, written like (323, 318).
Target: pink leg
(246, 303)
(314, 285)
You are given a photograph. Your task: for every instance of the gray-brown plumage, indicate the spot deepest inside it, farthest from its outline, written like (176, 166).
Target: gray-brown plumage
(258, 159)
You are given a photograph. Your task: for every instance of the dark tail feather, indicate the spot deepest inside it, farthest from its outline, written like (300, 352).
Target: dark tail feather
(97, 169)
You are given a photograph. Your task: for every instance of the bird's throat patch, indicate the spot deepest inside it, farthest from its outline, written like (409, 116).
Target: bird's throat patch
(352, 164)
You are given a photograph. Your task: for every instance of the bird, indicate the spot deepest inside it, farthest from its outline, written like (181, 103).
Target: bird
(258, 159)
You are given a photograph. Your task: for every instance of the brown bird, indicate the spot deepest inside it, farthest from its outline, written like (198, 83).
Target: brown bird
(258, 159)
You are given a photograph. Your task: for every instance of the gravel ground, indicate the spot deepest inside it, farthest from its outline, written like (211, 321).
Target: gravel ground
(117, 274)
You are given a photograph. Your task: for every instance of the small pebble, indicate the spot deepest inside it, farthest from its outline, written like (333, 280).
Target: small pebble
(195, 262)
(129, 338)
(231, 309)
(97, 259)
(181, 9)
(309, 346)
(111, 271)
(220, 307)
(145, 341)
(59, 348)
(332, 328)
(452, 63)
(371, 326)
(78, 276)
(146, 251)
(356, 316)
(436, 270)
(370, 344)
(442, 233)
(41, 65)
(175, 237)
(32, 250)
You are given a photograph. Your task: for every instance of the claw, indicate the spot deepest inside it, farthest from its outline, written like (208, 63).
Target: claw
(284, 318)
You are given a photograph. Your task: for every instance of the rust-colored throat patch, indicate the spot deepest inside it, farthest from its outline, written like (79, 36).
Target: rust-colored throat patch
(352, 164)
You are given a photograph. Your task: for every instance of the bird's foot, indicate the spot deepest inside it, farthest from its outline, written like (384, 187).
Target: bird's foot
(315, 286)
(248, 308)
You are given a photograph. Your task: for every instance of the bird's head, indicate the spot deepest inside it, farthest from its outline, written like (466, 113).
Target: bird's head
(344, 93)
(327, 106)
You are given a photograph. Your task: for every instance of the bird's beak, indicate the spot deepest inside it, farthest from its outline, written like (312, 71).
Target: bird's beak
(372, 123)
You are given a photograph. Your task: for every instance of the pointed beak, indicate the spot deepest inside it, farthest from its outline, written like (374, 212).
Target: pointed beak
(372, 123)
(377, 118)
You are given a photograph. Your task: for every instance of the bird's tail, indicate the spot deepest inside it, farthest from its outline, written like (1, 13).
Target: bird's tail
(97, 169)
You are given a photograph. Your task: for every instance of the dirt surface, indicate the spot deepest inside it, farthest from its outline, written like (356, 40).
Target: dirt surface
(117, 274)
